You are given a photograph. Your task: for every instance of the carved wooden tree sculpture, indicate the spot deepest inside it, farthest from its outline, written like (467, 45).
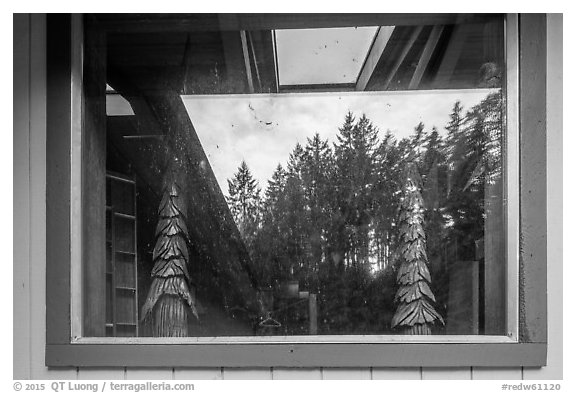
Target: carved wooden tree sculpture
(415, 313)
(170, 298)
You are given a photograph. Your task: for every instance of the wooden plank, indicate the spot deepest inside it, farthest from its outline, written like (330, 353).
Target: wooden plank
(21, 202)
(208, 22)
(102, 373)
(298, 355)
(247, 373)
(38, 208)
(425, 56)
(408, 373)
(256, 68)
(373, 57)
(247, 61)
(456, 373)
(495, 299)
(282, 373)
(58, 90)
(94, 185)
(487, 373)
(198, 373)
(264, 52)
(533, 178)
(345, 373)
(39, 371)
(554, 101)
(162, 373)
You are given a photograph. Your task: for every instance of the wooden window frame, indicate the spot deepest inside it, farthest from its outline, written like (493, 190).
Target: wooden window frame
(529, 348)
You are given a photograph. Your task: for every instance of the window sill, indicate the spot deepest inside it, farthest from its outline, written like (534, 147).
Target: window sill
(298, 355)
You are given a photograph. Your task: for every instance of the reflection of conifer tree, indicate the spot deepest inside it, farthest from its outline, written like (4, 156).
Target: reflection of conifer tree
(270, 239)
(356, 151)
(170, 298)
(317, 164)
(455, 143)
(275, 188)
(387, 184)
(244, 202)
(415, 312)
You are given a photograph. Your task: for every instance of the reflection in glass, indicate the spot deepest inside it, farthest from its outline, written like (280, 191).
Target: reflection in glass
(299, 181)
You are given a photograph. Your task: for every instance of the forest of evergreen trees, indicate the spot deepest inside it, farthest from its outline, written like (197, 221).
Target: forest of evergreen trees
(329, 217)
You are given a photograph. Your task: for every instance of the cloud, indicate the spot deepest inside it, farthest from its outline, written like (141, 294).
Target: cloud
(263, 129)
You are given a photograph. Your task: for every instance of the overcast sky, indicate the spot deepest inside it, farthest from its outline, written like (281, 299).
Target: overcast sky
(263, 129)
(316, 56)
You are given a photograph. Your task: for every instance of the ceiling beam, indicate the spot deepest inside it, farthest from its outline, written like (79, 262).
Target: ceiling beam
(233, 46)
(247, 60)
(381, 39)
(400, 59)
(452, 55)
(317, 88)
(425, 56)
(251, 42)
(134, 23)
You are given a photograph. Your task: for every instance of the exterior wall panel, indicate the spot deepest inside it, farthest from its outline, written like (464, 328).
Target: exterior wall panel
(21, 289)
(103, 373)
(489, 373)
(198, 373)
(247, 373)
(346, 373)
(554, 203)
(30, 273)
(455, 373)
(407, 373)
(149, 373)
(297, 373)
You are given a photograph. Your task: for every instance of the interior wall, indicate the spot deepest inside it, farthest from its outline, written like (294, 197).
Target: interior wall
(30, 239)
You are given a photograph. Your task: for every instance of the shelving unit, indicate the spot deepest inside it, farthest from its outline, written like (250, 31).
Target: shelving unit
(121, 257)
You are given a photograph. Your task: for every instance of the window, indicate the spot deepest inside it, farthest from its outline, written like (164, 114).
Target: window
(290, 184)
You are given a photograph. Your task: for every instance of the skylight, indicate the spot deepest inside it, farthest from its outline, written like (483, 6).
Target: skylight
(322, 56)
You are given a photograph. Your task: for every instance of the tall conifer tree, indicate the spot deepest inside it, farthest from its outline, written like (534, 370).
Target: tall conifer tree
(415, 313)
(171, 297)
(244, 202)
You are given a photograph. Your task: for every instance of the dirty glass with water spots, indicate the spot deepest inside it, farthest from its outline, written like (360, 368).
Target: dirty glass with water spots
(277, 180)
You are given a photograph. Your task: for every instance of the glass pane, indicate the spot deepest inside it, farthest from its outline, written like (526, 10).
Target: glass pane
(109, 296)
(125, 306)
(123, 197)
(125, 270)
(296, 179)
(123, 234)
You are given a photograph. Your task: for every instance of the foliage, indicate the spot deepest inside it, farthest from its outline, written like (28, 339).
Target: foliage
(244, 201)
(329, 217)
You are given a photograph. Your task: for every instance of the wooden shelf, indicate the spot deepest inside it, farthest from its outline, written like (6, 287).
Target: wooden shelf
(126, 288)
(122, 215)
(122, 257)
(125, 252)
